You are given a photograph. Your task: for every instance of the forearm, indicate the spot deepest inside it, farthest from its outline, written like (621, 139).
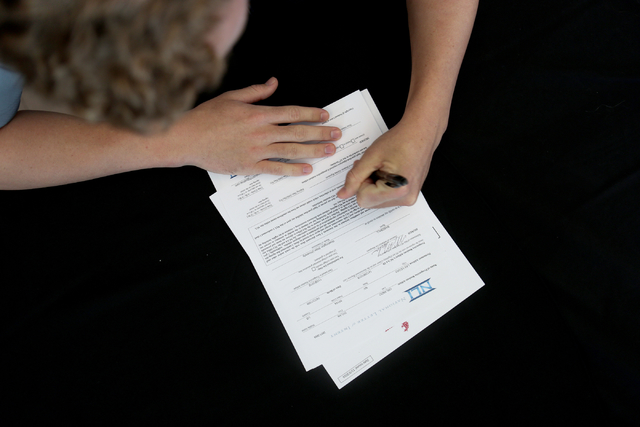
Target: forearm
(41, 149)
(439, 31)
(227, 134)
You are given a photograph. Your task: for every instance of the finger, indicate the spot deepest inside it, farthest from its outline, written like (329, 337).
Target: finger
(379, 195)
(293, 151)
(254, 93)
(279, 168)
(305, 133)
(297, 114)
(358, 174)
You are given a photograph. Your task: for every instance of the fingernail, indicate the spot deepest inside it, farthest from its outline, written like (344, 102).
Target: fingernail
(329, 149)
(336, 134)
(307, 170)
(324, 116)
(271, 81)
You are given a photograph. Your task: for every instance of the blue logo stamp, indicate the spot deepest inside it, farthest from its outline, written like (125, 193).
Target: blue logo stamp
(419, 290)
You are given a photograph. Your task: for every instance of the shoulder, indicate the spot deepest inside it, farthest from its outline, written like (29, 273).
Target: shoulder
(10, 92)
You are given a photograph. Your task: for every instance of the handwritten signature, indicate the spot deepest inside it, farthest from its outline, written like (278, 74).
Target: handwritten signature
(389, 245)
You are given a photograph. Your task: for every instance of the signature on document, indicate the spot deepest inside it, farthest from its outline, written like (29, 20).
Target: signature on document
(389, 245)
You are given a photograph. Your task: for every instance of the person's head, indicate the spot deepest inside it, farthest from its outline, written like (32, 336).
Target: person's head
(128, 62)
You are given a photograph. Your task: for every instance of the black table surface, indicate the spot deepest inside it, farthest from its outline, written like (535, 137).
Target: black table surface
(127, 299)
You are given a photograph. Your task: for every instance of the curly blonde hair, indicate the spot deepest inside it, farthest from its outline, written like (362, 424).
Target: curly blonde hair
(128, 62)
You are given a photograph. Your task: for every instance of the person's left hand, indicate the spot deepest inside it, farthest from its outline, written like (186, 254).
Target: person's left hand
(406, 150)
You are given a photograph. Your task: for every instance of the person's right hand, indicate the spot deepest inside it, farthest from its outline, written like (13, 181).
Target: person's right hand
(230, 135)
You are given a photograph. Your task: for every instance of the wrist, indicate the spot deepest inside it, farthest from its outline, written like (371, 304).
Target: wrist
(164, 148)
(428, 112)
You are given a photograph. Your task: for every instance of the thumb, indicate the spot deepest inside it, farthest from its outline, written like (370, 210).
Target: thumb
(358, 174)
(255, 93)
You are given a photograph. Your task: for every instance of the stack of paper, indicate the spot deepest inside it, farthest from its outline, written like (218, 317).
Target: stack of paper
(349, 284)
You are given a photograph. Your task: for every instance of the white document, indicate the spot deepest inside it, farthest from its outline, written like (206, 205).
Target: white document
(222, 182)
(349, 284)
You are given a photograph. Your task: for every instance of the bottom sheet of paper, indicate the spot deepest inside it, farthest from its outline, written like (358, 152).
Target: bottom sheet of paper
(349, 284)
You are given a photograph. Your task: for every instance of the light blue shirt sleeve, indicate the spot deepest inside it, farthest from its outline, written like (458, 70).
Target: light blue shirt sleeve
(10, 92)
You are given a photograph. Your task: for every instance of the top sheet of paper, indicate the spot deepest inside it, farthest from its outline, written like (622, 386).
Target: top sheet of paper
(349, 284)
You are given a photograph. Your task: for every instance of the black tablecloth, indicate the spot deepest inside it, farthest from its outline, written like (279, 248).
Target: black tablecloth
(127, 299)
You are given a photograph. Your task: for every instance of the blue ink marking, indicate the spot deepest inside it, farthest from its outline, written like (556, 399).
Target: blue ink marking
(232, 176)
(420, 289)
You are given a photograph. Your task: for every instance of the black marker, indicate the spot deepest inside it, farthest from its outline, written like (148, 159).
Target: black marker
(390, 179)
